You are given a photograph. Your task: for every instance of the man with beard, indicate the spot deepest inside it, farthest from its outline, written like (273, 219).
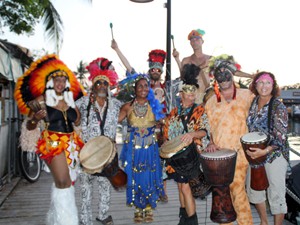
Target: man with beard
(99, 116)
(227, 112)
(156, 63)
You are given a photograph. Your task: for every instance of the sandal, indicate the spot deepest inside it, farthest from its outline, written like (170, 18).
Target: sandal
(138, 217)
(148, 216)
(164, 199)
(107, 221)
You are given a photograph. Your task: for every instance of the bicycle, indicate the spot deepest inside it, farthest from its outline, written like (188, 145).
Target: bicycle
(30, 165)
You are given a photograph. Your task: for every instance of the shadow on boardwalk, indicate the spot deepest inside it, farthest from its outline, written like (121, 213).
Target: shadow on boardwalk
(28, 204)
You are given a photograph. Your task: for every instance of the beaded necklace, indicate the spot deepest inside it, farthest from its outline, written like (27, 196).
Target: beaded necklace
(140, 110)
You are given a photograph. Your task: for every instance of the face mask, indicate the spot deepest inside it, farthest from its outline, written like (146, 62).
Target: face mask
(223, 75)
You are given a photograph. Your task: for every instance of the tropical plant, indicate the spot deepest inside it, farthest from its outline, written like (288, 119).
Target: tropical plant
(21, 17)
(80, 74)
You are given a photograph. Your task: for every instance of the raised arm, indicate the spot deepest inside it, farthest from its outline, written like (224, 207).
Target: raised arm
(123, 59)
(177, 59)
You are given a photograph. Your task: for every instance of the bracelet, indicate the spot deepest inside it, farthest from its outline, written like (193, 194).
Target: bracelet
(33, 122)
(268, 151)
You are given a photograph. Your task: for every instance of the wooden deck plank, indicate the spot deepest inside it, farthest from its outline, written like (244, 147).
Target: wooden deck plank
(29, 203)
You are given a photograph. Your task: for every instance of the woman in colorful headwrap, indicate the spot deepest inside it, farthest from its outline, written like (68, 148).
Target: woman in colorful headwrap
(46, 94)
(190, 120)
(269, 115)
(140, 155)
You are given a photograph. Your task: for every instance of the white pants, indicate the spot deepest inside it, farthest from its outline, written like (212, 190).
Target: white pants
(86, 192)
(276, 173)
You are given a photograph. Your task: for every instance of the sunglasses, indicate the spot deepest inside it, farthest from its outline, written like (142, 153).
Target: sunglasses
(99, 82)
(155, 70)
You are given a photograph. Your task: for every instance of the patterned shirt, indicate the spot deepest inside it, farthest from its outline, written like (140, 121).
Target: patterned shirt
(198, 121)
(91, 126)
(258, 121)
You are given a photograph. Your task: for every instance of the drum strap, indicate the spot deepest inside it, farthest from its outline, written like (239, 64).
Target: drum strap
(102, 121)
(270, 117)
(185, 121)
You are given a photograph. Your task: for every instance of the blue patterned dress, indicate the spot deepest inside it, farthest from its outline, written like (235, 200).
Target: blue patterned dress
(141, 161)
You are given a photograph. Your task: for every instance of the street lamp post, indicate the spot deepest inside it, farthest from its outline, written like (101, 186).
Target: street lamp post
(168, 38)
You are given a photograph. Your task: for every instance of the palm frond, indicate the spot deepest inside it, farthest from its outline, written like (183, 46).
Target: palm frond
(53, 26)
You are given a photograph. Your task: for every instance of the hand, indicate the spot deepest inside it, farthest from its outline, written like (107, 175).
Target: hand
(39, 115)
(175, 53)
(114, 44)
(255, 153)
(187, 138)
(211, 147)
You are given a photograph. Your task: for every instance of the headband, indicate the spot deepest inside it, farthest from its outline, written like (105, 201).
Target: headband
(265, 76)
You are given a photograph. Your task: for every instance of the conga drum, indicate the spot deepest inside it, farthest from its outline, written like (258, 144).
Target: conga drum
(99, 157)
(219, 168)
(185, 161)
(259, 180)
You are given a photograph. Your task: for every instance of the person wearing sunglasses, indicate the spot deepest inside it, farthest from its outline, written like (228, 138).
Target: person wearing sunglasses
(100, 113)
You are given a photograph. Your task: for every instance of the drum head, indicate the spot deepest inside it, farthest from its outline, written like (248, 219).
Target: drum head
(254, 137)
(171, 147)
(220, 154)
(95, 153)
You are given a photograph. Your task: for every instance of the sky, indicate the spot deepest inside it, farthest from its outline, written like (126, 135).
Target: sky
(260, 34)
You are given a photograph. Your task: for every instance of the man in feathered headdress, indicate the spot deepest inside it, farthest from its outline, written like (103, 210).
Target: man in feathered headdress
(227, 112)
(99, 116)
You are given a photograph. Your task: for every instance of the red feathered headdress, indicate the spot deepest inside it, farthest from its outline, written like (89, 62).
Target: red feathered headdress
(33, 82)
(101, 68)
(157, 59)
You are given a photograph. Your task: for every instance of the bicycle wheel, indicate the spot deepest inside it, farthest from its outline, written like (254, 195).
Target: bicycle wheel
(30, 165)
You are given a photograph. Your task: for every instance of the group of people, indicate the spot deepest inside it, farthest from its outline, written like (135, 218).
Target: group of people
(63, 118)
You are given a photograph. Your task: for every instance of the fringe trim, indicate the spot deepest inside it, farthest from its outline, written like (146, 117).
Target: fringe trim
(29, 138)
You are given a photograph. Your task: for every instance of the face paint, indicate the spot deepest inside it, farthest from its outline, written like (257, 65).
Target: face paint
(223, 75)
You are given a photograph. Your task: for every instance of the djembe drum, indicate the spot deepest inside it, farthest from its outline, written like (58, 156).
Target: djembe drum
(219, 168)
(185, 161)
(99, 157)
(259, 180)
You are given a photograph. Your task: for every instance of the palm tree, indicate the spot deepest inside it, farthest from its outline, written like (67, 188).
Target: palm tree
(80, 74)
(22, 16)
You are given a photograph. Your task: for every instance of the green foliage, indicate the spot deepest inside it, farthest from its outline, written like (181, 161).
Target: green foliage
(21, 15)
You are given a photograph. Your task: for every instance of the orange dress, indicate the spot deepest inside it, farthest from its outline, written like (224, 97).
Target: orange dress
(227, 122)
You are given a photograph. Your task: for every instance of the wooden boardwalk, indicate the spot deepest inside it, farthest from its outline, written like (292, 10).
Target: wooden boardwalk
(23, 203)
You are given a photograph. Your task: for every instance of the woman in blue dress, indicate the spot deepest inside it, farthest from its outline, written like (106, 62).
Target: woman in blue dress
(140, 153)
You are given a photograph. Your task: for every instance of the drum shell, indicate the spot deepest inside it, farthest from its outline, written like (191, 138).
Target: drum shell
(116, 176)
(262, 145)
(186, 163)
(259, 160)
(219, 171)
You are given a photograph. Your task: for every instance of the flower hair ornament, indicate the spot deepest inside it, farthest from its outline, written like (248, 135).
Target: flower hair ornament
(219, 68)
(38, 80)
(126, 87)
